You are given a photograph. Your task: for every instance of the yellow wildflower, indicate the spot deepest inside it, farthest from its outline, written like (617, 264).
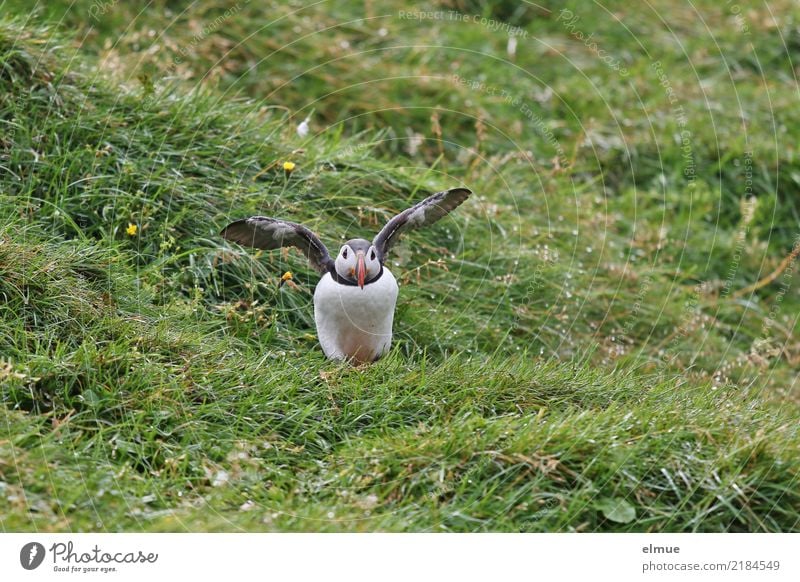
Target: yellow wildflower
(288, 167)
(287, 279)
(132, 229)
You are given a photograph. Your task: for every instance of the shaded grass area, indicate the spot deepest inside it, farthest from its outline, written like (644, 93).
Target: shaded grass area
(571, 352)
(443, 71)
(675, 165)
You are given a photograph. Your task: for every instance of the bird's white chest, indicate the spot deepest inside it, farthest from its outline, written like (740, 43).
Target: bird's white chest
(355, 323)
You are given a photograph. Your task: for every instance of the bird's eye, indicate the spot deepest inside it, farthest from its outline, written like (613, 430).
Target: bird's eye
(372, 255)
(344, 254)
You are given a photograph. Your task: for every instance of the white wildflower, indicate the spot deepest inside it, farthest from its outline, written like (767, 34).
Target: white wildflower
(302, 129)
(511, 48)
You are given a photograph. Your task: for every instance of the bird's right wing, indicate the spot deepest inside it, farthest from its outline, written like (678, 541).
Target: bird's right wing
(267, 233)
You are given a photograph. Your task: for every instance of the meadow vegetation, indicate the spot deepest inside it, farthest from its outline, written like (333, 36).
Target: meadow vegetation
(603, 338)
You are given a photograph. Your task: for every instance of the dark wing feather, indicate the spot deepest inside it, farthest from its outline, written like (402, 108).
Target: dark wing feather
(421, 214)
(266, 233)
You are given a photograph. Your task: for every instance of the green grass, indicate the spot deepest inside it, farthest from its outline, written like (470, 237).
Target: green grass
(578, 347)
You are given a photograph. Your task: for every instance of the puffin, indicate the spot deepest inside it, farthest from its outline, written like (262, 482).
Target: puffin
(355, 298)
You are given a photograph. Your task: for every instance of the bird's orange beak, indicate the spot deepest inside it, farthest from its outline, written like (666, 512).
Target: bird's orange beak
(361, 270)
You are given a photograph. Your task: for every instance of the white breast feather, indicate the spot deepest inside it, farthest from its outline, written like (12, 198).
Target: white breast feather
(354, 323)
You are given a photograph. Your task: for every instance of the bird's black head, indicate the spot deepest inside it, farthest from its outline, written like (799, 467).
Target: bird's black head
(359, 244)
(358, 262)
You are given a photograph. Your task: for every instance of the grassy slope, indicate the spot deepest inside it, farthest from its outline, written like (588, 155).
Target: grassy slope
(540, 378)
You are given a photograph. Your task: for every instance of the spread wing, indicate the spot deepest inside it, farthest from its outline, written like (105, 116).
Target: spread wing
(421, 214)
(266, 233)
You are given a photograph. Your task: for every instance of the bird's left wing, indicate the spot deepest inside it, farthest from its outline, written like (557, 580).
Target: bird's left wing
(421, 214)
(267, 233)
